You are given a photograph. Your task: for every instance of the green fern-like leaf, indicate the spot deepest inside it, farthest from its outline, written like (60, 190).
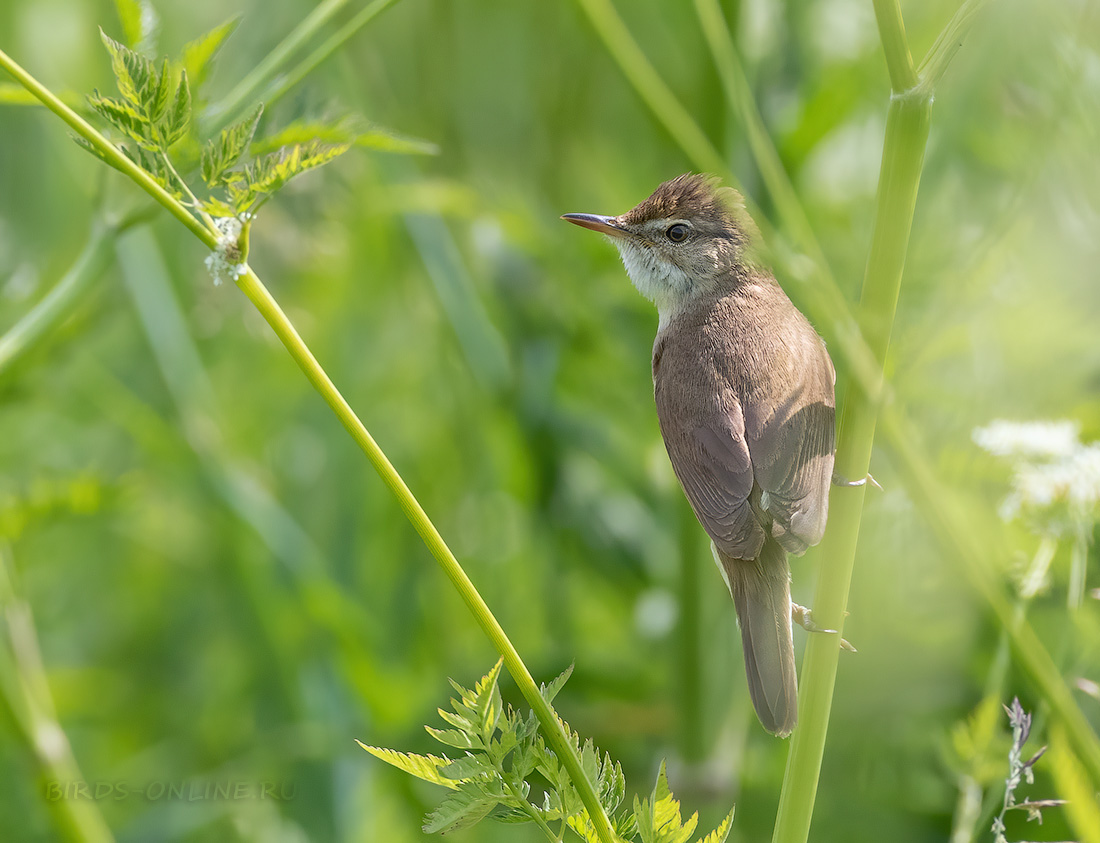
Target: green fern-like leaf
(125, 118)
(720, 834)
(178, 119)
(426, 767)
(658, 817)
(461, 809)
(136, 76)
(223, 153)
(551, 688)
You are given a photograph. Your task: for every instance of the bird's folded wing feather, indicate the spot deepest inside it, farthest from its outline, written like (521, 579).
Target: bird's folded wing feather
(710, 456)
(791, 441)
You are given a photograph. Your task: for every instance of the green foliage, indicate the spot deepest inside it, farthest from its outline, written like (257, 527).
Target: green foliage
(240, 171)
(199, 55)
(505, 759)
(140, 23)
(218, 156)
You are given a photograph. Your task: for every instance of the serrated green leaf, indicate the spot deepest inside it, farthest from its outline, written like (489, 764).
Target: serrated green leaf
(582, 824)
(426, 767)
(179, 116)
(461, 809)
(469, 767)
(124, 117)
(158, 94)
(511, 815)
(452, 737)
(658, 817)
(200, 53)
(551, 688)
(720, 834)
(458, 721)
(139, 23)
(134, 73)
(217, 208)
(222, 154)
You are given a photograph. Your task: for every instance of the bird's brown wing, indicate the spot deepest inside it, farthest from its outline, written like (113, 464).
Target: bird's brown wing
(791, 441)
(710, 456)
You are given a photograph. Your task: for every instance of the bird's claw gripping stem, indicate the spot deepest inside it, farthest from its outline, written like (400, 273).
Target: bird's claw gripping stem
(804, 618)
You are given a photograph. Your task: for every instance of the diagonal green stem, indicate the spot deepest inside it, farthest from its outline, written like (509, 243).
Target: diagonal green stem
(311, 62)
(254, 289)
(244, 92)
(258, 294)
(108, 150)
(26, 701)
(651, 87)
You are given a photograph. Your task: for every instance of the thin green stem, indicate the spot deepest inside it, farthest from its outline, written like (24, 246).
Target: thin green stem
(109, 151)
(26, 698)
(739, 94)
(300, 71)
(195, 204)
(935, 63)
(903, 156)
(252, 287)
(891, 30)
(651, 87)
(258, 294)
(244, 92)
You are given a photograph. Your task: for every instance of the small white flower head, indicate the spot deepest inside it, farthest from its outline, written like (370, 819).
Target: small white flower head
(224, 262)
(1039, 439)
(1056, 479)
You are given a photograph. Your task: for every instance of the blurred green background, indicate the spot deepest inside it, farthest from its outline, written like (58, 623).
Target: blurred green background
(222, 590)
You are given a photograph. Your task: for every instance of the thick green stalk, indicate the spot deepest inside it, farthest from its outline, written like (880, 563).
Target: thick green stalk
(902, 159)
(258, 294)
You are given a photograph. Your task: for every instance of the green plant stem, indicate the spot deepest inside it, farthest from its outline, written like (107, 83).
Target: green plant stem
(935, 63)
(59, 301)
(254, 289)
(108, 150)
(907, 125)
(244, 92)
(258, 294)
(651, 87)
(891, 31)
(978, 562)
(25, 697)
(300, 71)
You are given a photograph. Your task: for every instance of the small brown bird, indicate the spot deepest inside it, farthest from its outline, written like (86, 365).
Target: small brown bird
(744, 394)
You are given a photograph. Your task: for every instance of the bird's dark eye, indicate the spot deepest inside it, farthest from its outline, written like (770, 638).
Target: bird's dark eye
(677, 233)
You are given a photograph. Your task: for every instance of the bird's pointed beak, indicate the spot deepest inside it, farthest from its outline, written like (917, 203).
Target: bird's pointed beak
(595, 222)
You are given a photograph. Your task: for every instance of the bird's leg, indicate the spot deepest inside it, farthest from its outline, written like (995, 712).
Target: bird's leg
(841, 480)
(805, 618)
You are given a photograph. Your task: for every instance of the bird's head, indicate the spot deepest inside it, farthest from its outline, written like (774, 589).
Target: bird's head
(685, 241)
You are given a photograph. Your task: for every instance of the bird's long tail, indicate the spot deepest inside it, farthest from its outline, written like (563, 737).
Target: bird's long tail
(761, 590)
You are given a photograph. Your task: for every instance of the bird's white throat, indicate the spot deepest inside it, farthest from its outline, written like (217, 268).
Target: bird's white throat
(663, 283)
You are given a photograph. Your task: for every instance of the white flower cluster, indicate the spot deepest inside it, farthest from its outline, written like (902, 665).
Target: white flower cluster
(1052, 468)
(218, 262)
